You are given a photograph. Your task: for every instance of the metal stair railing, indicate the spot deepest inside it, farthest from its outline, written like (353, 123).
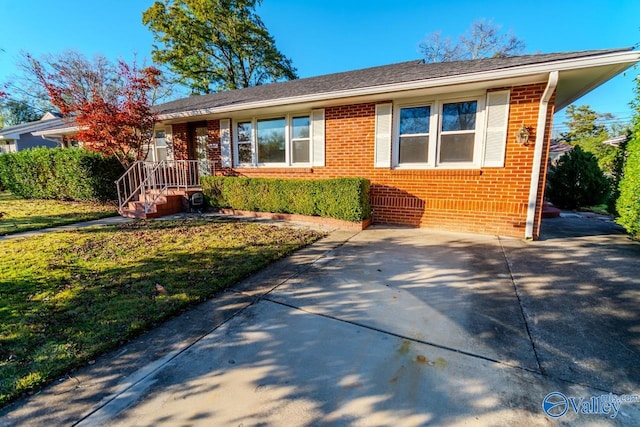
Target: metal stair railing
(154, 179)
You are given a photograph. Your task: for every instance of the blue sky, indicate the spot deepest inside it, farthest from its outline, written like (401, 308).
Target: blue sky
(330, 36)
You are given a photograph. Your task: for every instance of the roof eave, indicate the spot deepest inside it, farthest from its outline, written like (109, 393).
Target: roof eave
(57, 132)
(618, 60)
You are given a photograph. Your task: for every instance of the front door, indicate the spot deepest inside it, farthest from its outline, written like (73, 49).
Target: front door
(199, 148)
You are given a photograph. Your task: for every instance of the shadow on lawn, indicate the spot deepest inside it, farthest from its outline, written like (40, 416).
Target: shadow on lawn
(38, 222)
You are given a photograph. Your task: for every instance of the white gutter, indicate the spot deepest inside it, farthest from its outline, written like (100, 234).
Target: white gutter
(57, 131)
(537, 155)
(51, 139)
(512, 72)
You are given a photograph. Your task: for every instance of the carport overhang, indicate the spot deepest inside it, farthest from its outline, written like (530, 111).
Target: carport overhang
(574, 83)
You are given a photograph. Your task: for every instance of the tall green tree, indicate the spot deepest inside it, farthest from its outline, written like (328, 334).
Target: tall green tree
(588, 129)
(14, 112)
(583, 122)
(215, 45)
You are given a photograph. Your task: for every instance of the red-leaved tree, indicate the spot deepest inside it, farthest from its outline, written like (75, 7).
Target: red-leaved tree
(110, 104)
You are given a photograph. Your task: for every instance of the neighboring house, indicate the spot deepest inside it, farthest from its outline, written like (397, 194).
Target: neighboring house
(62, 133)
(442, 144)
(557, 149)
(20, 137)
(615, 141)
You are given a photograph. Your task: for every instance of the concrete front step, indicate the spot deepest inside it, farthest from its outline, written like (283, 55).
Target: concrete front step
(165, 205)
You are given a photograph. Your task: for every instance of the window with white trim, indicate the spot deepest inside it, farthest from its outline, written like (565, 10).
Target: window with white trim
(273, 141)
(244, 149)
(160, 145)
(300, 139)
(457, 131)
(442, 133)
(413, 139)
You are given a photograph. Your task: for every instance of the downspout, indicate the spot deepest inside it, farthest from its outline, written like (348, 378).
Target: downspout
(59, 142)
(537, 155)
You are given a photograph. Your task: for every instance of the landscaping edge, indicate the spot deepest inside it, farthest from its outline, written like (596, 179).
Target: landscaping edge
(338, 223)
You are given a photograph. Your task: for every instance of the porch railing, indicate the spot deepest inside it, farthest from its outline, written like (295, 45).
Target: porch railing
(154, 179)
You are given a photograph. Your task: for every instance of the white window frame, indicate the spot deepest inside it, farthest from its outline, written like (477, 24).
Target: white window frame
(292, 139)
(155, 144)
(435, 131)
(288, 140)
(236, 143)
(431, 149)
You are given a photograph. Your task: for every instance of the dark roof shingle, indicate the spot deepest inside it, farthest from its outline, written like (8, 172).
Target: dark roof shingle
(403, 72)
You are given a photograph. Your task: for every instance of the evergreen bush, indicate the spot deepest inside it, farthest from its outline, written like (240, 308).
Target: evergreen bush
(577, 181)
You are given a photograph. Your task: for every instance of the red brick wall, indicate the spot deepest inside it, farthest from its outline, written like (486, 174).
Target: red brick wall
(180, 135)
(488, 201)
(214, 150)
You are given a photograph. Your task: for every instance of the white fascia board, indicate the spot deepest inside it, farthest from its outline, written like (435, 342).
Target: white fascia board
(617, 58)
(59, 131)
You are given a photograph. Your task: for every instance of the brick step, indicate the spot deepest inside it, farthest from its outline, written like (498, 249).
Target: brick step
(165, 205)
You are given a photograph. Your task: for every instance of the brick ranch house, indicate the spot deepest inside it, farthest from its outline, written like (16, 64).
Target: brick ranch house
(437, 141)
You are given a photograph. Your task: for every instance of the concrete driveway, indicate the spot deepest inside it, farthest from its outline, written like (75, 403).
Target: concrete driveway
(390, 326)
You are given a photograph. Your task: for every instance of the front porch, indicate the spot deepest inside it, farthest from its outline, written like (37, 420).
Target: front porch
(150, 189)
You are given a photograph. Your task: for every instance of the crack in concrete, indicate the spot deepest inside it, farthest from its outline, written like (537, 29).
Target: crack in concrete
(522, 311)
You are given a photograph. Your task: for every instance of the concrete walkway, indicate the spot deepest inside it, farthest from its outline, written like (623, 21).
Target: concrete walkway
(112, 220)
(389, 326)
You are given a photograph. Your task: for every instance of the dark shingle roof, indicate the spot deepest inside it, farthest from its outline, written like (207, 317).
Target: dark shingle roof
(403, 72)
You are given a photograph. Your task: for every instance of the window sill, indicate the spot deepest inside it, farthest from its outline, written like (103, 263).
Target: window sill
(274, 170)
(437, 172)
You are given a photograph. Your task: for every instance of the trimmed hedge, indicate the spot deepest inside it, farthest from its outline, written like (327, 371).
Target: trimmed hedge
(61, 174)
(341, 198)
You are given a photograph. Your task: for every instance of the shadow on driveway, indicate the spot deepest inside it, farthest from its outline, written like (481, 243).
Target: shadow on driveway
(399, 326)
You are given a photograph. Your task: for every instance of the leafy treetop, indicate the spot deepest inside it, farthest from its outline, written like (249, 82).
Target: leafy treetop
(215, 45)
(583, 122)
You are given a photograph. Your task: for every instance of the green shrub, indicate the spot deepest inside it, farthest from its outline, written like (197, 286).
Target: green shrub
(628, 204)
(61, 174)
(341, 198)
(616, 177)
(577, 181)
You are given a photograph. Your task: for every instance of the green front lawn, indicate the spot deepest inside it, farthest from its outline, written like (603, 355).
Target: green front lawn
(18, 215)
(66, 297)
